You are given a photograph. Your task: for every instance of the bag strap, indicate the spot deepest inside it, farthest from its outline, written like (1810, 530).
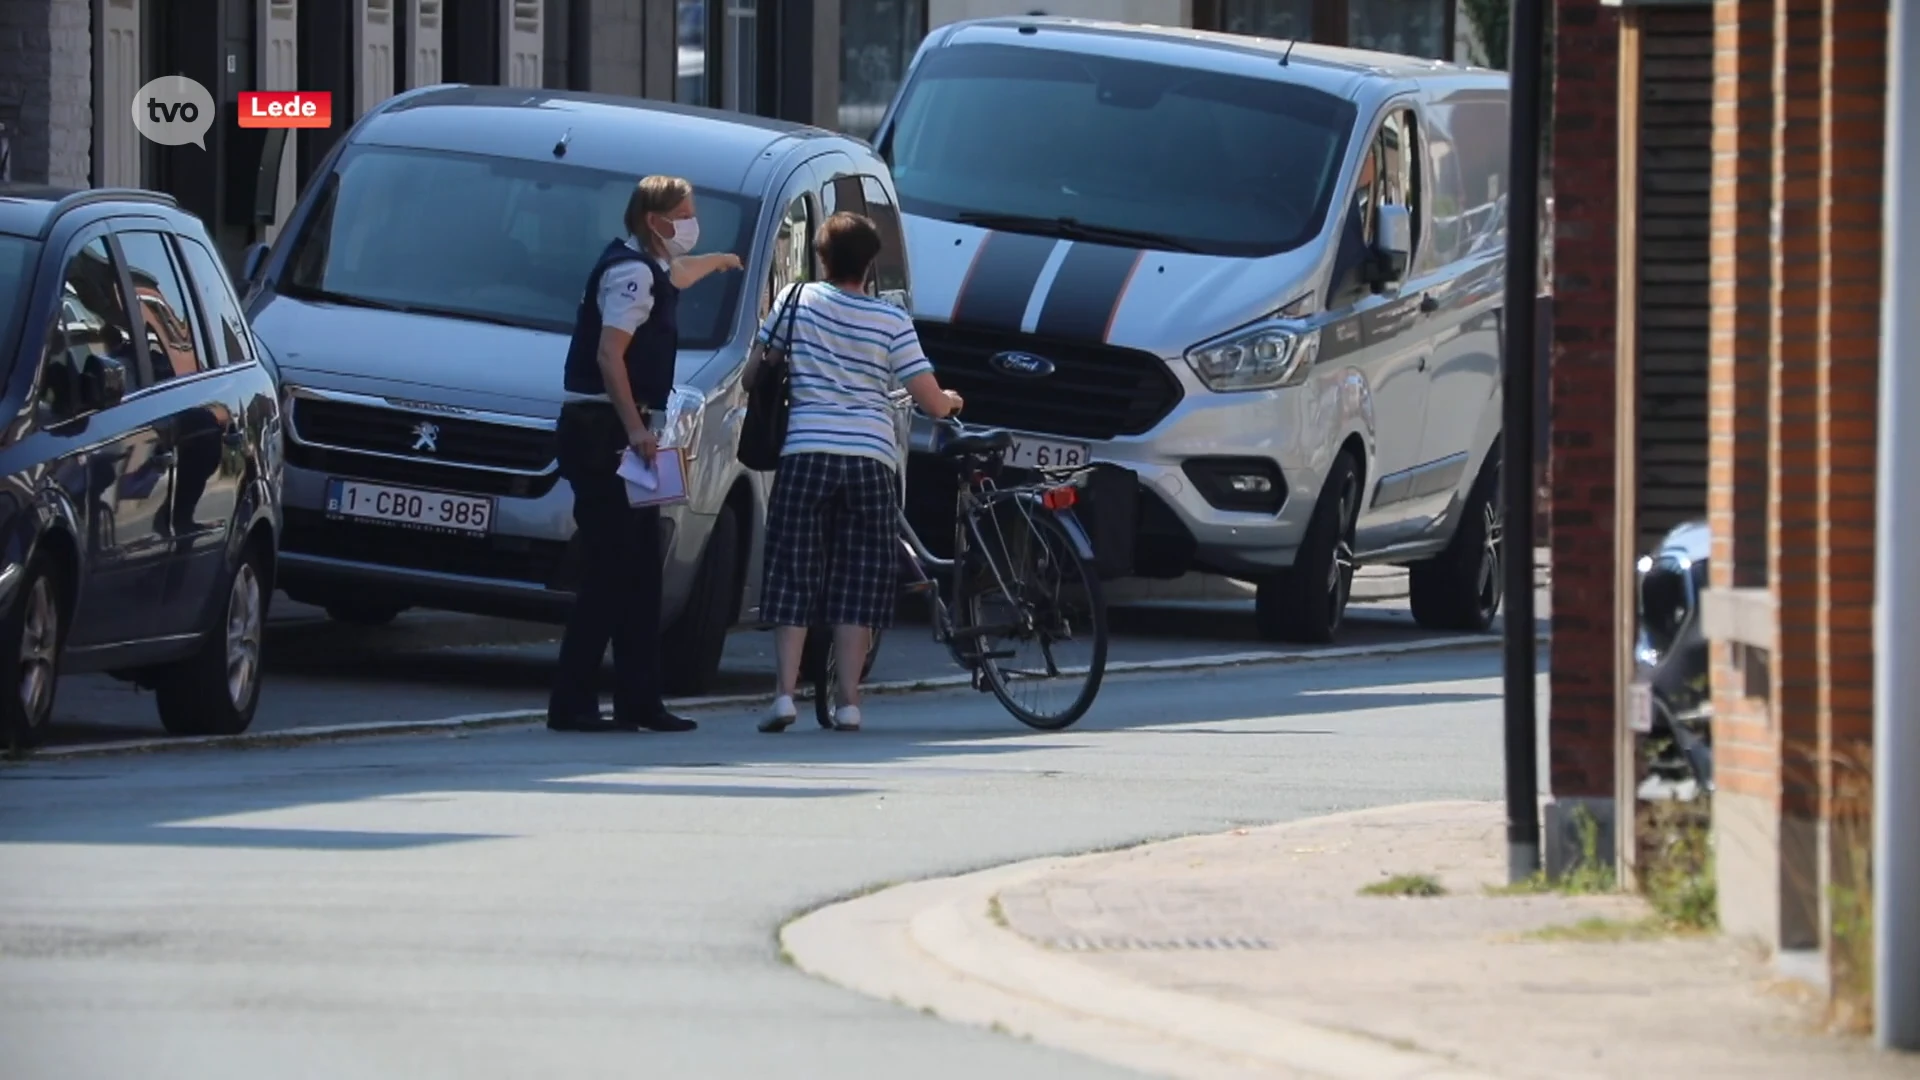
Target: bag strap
(790, 311)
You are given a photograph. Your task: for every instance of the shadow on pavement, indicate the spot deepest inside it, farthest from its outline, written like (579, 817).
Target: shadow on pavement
(429, 665)
(189, 798)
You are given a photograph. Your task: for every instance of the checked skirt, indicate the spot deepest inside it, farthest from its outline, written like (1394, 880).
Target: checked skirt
(833, 539)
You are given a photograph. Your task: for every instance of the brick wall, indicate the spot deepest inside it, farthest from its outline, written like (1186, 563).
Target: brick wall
(46, 89)
(1853, 107)
(1794, 460)
(1800, 102)
(1746, 756)
(1582, 398)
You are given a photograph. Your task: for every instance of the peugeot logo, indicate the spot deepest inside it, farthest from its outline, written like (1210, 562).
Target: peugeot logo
(426, 436)
(1022, 365)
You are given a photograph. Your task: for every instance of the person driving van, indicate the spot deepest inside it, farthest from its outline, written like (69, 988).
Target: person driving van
(618, 375)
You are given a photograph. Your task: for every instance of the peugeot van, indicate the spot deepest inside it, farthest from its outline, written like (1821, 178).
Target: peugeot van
(420, 301)
(1262, 277)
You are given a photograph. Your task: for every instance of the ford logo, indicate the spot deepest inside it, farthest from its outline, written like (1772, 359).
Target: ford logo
(1022, 365)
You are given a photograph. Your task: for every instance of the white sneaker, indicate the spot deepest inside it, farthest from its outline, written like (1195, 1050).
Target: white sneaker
(846, 718)
(780, 715)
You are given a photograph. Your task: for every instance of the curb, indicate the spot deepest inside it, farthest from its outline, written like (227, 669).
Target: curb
(528, 717)
(935, 946)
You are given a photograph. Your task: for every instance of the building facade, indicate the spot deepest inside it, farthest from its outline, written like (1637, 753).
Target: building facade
(69, 68)
(1718, 353)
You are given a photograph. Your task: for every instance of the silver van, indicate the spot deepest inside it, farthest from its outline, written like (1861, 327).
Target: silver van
(1263, 277)
(420, 301)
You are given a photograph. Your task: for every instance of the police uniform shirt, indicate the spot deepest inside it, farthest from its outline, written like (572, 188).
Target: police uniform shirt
(626, 292)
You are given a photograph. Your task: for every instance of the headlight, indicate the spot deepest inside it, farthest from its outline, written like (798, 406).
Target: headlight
(686, 408)
(1259, 359)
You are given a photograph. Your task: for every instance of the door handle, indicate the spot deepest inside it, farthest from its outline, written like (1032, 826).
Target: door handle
(1423, 363)
(1429, 304)
(163, 458)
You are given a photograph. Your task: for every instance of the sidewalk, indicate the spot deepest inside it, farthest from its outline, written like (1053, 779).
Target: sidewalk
(1252, 954)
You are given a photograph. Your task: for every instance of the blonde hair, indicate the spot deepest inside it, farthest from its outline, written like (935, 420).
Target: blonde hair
(654, 195)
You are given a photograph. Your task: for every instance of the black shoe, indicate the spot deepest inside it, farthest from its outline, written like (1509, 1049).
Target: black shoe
(580, 722)
(664, 721)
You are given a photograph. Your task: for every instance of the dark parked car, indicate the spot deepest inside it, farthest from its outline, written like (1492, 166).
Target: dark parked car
(139, 461)
(1672, 695)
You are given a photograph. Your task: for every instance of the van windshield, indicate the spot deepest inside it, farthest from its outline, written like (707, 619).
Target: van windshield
(491, 239)
(1014, 136)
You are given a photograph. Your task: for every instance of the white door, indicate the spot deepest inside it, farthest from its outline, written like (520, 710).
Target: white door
(279, 67)
(373, 48)
(116, 141)
(522, 42)
(423, 43)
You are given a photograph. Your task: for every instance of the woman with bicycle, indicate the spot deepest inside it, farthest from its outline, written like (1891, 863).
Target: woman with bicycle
(832, 545)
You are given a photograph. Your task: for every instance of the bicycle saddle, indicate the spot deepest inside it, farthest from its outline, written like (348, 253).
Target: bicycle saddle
(977, 445)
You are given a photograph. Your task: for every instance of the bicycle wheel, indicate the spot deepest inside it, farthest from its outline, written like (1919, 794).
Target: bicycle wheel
(1048, 671)
(819, 665)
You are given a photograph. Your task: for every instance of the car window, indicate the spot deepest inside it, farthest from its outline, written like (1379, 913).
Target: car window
(1226, 164)
(172, 350)
(18, 258)
(92, 319)
(792, 251)
(493, 239)
(1389, 175)
(1400, 151)
(843, 193)
(890, 269)
(217, 304)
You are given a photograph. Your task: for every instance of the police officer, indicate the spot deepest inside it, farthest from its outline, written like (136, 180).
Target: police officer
(618, 375)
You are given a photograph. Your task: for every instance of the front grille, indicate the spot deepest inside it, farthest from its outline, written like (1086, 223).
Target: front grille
(503, 558)
(459, 441)
(431, 475)
(1095, 392)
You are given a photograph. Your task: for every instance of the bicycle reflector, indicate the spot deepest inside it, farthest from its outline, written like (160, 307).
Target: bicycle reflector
(1060, 498)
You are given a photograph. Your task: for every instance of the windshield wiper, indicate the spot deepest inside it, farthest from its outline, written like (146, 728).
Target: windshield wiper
(1067, 228)
(309, 292)
(470, 316)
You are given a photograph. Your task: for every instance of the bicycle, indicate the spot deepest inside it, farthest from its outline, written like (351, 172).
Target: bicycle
(1020, 574)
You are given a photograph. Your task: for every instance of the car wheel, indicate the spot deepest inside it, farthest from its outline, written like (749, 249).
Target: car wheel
(1462, 587)
(363, 612)
(31, 635)
(215, 691)
(694, 646)
(1307, 602)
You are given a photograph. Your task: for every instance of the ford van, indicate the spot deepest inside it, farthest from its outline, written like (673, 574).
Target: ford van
(1262, 277)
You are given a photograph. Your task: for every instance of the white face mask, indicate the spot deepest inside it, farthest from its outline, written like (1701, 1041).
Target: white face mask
(686, 233)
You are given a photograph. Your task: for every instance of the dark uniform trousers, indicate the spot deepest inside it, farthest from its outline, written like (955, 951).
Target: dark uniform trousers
(617, 596)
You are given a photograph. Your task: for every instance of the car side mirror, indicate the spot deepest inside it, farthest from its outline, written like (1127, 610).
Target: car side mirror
(103, 383)
(1393, 243)
(251, 265)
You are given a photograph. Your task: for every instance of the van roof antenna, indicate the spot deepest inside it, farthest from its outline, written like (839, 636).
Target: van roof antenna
(1288, 54)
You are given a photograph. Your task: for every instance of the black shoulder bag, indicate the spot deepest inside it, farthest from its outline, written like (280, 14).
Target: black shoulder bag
(764, 431)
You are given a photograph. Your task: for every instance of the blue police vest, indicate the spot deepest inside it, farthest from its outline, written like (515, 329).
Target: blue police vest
(656, 344)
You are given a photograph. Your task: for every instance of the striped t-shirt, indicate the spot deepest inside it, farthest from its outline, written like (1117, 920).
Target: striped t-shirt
(849, 351)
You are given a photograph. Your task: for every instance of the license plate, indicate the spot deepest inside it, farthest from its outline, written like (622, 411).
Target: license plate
(440, 511)
(1028, 452)
(1640, 708)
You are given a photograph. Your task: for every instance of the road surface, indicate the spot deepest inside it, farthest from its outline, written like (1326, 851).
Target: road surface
(516, 903)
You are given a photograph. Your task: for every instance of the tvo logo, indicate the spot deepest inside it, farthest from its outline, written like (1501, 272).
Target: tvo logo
(173, 110)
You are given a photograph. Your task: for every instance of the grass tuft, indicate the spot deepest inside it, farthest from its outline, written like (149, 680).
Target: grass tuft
(1405, 885)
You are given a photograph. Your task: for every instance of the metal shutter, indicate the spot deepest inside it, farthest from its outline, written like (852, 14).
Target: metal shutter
(522, 41)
